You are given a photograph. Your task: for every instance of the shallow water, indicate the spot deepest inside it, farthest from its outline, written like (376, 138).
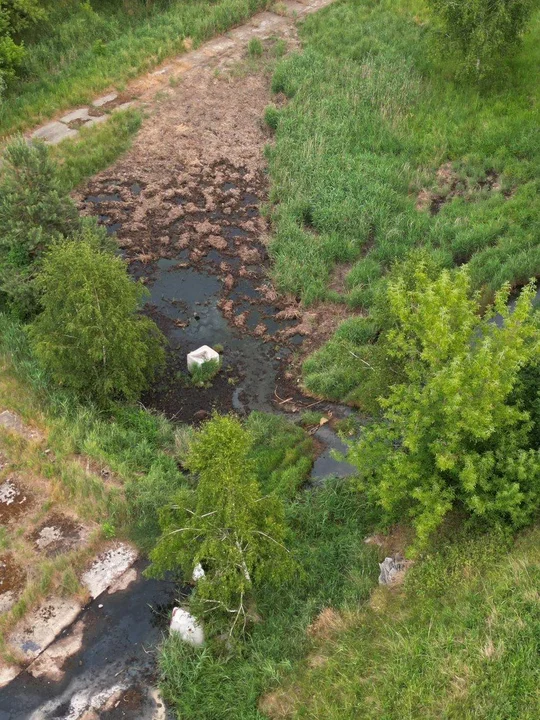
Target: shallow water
(118, 652)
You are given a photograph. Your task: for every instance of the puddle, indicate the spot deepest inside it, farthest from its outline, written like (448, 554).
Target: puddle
(116, 656)
(325, 465)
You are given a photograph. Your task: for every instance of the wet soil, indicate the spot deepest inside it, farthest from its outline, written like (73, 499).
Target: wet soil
(12, 581)
(57, 534)
(15, 499)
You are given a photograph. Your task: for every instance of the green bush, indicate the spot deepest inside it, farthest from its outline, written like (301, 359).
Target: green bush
(34, 211)
(90, 336)
(452, 433)
(482, 32)
(225, 524)
(15, 16)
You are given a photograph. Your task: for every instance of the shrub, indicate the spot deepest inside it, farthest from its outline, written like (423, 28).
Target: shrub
(225, 524)
(452, 432)
(15, 15)
(482, 31)
(90, 336)
(34, 211)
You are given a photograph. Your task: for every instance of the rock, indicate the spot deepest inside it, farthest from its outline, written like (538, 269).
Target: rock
(392, 570)
(187, 627)
(202, 355)
(201, 415)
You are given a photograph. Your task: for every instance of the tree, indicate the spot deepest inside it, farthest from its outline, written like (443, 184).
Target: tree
(15, 16)
(90, 336)
(482, 32)
(34, 211)
(225, 524)
(454, 431)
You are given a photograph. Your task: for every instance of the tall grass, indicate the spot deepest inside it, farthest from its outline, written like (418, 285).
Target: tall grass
(460, 642)
(84, 49)
(372, 117)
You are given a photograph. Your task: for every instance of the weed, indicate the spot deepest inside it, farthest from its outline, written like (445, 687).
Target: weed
(255, 48)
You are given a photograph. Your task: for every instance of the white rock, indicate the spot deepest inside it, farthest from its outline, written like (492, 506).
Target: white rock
(187, 627)
(198, 572)
(200, 356)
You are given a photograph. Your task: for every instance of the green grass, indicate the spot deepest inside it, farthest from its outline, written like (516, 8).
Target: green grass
(372, 117)
(461, 642)
(82, 49)
(95, 148)
(336, 569)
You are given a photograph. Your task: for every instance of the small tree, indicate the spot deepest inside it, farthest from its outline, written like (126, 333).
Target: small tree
(483, 32)
(453, 432)
(90, 336)
(225, 524)
(34, 211)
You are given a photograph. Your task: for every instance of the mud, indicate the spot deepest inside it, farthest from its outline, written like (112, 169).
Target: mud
(450, 184)
(12, 581)
(58, 534)
(15, 500)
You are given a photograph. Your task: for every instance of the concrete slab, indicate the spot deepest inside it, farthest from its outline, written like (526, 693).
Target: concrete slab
(40, 627)
(99, 102)
(96, 120)
(8, 673)
(80, 114)
(107, 568)
(50, 663)
(53, 133)
(13, 423)
(123, 106)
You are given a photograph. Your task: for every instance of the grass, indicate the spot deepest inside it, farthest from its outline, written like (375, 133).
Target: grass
(374, 119)
(94, 148)
(460, 641)
(83, 49)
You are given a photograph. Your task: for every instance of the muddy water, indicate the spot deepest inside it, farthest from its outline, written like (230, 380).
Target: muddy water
(114, 672)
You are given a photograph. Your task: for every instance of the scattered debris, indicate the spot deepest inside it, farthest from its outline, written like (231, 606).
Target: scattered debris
(202, 355)
(187, 627)
(393, 570)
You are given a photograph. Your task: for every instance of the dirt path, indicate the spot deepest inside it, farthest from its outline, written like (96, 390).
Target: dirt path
(141, 92)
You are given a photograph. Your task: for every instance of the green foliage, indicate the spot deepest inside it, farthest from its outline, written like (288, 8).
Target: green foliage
(336, 569)
(282, 454)
(482, 32)
(255, 48)
(83, 48)
(15, 16)
(451, 434)
(34, 211)
(373, 120)
(202, 375)
(225, 524)
(94, 148)
(90, 336)
(459, 641)
(271, 116)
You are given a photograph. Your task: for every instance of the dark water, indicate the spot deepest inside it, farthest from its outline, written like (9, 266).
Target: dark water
(118, 651)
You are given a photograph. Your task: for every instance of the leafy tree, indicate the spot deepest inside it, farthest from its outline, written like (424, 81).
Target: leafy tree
(33, 212)
(225, 524)
(15, 16)
(482, 32)
(454, 431)
(90, 336)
